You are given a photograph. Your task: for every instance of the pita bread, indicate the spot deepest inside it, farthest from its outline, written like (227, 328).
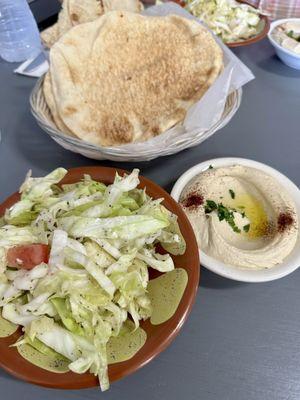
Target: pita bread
(47, 89)
(49, 36)
(122, 5)
(75, 12)
(126, 77)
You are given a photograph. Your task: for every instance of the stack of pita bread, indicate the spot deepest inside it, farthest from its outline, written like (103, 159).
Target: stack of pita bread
(75, 12)
(126, 77)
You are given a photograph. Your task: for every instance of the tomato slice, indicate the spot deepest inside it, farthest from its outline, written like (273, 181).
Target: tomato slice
(28, 256)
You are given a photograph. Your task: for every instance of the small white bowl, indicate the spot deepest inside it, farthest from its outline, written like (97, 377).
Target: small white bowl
(290, 264)
(287, 57)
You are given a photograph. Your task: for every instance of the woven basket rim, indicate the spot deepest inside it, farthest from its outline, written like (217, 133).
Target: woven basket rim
(232, 104)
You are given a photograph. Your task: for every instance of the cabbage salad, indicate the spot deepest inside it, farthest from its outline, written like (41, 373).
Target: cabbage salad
(230, 20)
(74, 263)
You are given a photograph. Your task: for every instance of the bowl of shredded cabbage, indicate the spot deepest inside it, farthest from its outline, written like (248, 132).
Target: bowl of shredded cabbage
(99, 269)
(237, 23)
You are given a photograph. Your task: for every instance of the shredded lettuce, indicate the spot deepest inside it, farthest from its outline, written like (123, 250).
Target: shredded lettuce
(64, 311)
(124, 228)
(229, 19)
(12, 236)
(39, 346)
(40, 188)
(102, 243)
(11, 313)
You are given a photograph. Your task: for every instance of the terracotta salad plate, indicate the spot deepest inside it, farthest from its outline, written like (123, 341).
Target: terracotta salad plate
(158, 336)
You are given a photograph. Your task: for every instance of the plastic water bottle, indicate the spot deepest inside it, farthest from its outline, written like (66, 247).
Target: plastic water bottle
(19, 34)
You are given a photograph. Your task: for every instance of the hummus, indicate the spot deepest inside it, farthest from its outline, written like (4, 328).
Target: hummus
(288, 36)
(241, 216)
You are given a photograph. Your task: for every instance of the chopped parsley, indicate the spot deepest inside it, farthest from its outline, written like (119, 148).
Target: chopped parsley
(210, 167)
(292, 35)
(224, 213)
(232, 194)
(246, 228)
(210, 206)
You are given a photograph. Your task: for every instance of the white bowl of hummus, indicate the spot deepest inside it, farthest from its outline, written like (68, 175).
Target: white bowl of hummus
(284, 35)
(245, 216)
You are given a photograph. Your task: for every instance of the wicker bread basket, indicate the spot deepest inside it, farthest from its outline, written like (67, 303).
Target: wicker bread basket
(131, 152)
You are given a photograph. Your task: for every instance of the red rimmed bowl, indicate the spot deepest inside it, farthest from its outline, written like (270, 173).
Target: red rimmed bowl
(158, 336)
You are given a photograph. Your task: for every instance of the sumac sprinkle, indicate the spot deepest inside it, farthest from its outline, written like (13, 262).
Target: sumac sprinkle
(193, 200)
(284, 221)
